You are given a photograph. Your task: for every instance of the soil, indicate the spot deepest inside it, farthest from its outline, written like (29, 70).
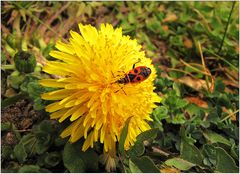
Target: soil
(22, 116)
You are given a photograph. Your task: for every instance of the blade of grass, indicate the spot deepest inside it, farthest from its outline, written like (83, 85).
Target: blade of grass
(225, 32)
(195, 69)
(179, 70)
(221, 58)
(204, 65)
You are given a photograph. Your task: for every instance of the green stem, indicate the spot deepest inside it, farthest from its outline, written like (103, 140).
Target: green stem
(8, 67)
(225, 32)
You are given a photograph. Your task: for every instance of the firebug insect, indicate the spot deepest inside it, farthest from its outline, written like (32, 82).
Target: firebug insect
(135, 75)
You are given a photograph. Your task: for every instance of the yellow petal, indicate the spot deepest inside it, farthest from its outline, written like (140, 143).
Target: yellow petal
(102, 134)
(67, 48)
(89, 33)
(64, 57)
(78, 113)
(77, 131)
(58, 114)
(82, 98)
(66, 132)
(53, 107)
(51, 83)
(77, 134)
(67, 114)
(57, 95)
(77, 37)
(88, 142)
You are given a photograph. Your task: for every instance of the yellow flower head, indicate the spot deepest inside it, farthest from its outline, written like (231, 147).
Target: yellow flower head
(88, 93)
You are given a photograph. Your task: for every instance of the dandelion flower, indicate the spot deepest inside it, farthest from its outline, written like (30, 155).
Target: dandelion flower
(88, 94)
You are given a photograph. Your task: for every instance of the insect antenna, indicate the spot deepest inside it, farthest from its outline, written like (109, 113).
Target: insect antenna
(139, 60)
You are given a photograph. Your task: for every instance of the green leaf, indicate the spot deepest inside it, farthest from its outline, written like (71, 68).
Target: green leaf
(178, 119)
(46, 126)
(43, 170)
(58, 141)
(193, 109)
(75, 160)
(20, 152)
(210, 152)
(28, 142)
(39, 104)
(149, 134)
(225, 163)
(219, 86)
(35, 89)
(15, 79)
(133, 168)
(123, 136)
(213, 137)
(5, 126)
(27, 80)
(52, 159)
(145, 164)
(180, 163)
(132, 17)
(72, 160)
(190, 153)
(153, 25)
(177, 88)
(180, 103)
(41, 160)
(43, 142)
(160, 113)
(29, 169)
(127, 28)
(6, 152)
(138, 148)
(90, 159)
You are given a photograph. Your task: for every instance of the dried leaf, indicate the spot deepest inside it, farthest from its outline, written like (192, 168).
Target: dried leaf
(233, 116)
(10, 92)
(197, 84)
(171, 17)
(230, 83)
(197, 101)
(187, 42)
(170, 170)
(161, 8)
(14, 14)
(165, 27)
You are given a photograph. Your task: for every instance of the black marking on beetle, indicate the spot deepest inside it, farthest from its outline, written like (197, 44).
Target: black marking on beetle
(131, 76)
(135, 71)
(138, 78)
(145, 72)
